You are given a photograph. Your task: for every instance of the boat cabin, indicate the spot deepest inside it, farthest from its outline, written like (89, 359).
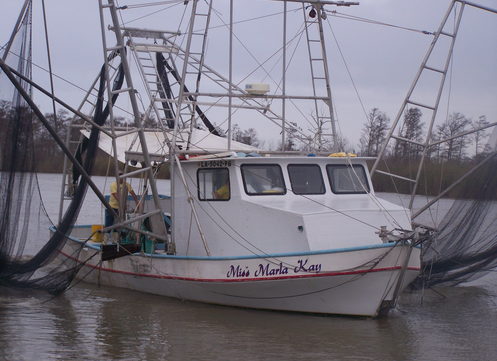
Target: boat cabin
(267, 205)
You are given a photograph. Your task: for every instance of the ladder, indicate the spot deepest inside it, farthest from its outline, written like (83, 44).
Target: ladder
(320, 76)
(410, 100)
(171, 103)
(147, 55)
(158, 225)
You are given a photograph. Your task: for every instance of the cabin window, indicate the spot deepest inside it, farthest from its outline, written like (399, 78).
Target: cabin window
(345, 179)
(306, 179)
(263, 179)
(213, 184)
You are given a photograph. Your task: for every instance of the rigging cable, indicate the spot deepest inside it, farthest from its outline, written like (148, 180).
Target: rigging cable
(451, 72)
(336, 14)
(347, 68)
(172, 3)
(298, 35)
(49, 58)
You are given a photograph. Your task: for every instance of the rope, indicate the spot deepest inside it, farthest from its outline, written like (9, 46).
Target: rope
(336, 14)
(348, 69)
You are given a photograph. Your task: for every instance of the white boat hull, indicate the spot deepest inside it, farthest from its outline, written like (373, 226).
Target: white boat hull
(351, 281)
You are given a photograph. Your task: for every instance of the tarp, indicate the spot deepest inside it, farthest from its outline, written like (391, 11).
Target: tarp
(201, 141)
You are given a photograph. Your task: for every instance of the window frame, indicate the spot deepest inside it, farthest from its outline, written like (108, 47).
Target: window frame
(264, 192)
(314, 165)
(202, 197)
(357, 168)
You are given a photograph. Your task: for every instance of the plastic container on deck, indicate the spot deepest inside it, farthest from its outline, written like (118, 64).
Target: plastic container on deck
(97, 236)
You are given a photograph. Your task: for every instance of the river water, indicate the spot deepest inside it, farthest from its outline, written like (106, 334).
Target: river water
(103, 323)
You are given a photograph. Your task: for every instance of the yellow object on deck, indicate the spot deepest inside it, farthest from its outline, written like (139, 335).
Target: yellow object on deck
(97, 236)
(342, 154)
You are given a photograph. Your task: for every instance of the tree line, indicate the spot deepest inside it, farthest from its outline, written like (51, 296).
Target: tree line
(456, 154)
(451, 140)
(374, 132)
(456, 146)
(46, 155)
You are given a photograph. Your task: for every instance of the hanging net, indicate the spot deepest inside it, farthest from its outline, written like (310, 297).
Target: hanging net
(464, 246)
(28, 260)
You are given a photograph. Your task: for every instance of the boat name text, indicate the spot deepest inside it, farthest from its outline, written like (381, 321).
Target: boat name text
(271, 269)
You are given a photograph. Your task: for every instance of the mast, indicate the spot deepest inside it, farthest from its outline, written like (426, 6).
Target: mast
(16, 28)
(156, 216)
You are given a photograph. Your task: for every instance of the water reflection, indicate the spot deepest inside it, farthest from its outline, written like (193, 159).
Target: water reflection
(453, 323)
(106, 323)
(67, 330)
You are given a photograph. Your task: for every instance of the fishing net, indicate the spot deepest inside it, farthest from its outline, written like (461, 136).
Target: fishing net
(464, 246)
(28, 259)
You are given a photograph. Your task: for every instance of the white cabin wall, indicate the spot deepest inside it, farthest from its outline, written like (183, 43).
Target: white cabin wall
(248, 225)
(259, 228)
(332, 230)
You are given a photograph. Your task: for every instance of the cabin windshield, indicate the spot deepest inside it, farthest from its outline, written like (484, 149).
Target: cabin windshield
(213, 184)
(263, 179)
(346, 179)
(306, 179)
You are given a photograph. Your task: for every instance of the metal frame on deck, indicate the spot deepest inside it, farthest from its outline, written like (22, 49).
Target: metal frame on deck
(408, 100)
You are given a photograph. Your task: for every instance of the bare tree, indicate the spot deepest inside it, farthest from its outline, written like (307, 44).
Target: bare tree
(250, 137)
(236, 133)
(292, 136)
(435, 152)
(374, 133)
(480, 134)
(344, 144)
(47, 147)
(411, 131)
(455, 147)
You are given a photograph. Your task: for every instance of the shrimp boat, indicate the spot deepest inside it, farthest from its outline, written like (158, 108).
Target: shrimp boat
(287, 239)
(278, 230)
(268, 246)
(291, 232)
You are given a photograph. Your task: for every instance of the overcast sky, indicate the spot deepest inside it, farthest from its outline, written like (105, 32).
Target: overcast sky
(382, 60)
